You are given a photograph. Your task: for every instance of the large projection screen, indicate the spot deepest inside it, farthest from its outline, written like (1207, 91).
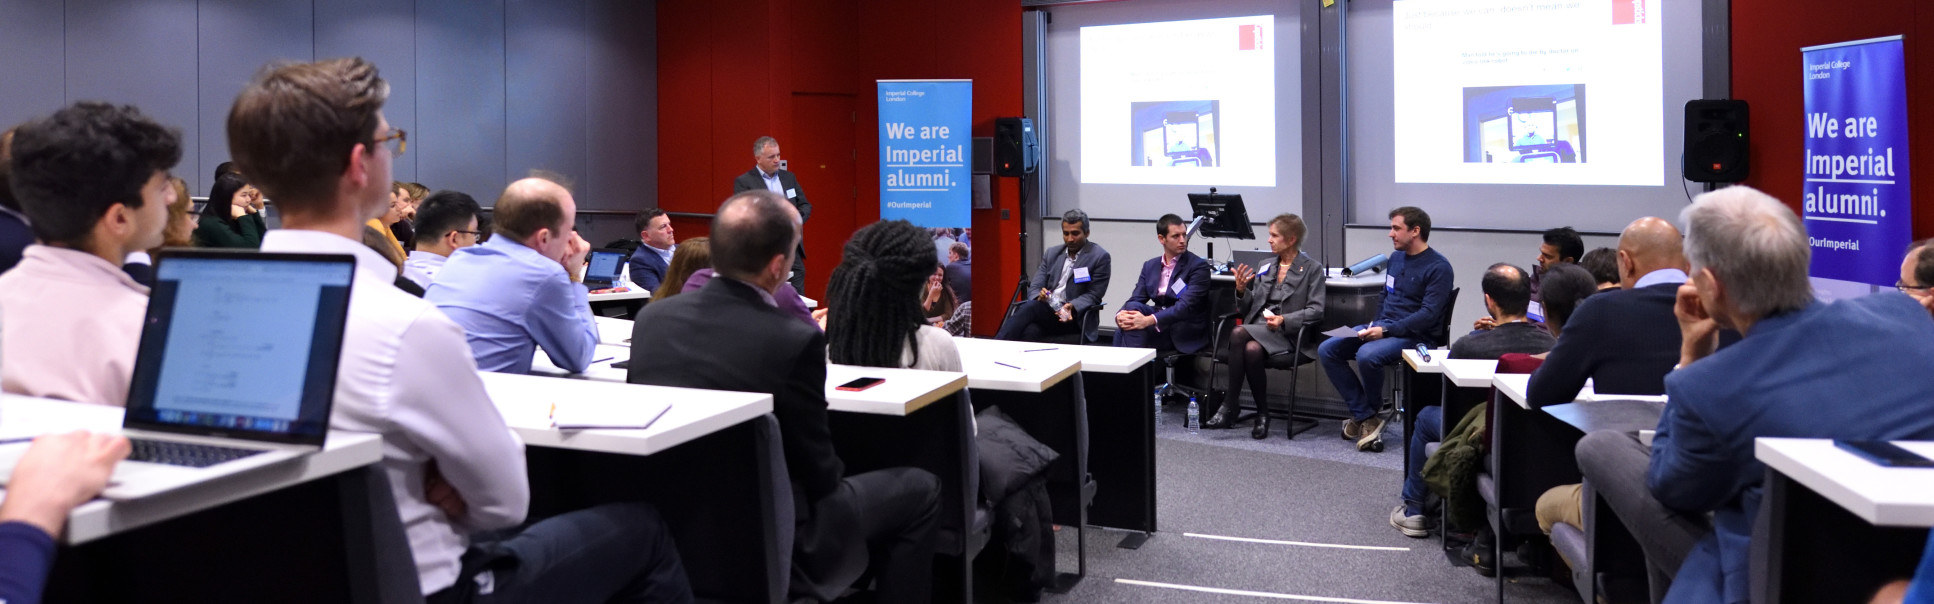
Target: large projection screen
(1154, 99)
(1521, 114)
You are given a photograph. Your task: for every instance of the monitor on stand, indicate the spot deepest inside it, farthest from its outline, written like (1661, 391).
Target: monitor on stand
(1219, 216)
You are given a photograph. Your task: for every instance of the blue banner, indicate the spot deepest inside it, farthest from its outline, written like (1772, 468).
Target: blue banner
(1857, 194)
(926, 145)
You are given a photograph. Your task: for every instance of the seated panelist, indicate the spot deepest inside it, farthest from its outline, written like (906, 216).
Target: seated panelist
(1169, 308)
(1072, 279)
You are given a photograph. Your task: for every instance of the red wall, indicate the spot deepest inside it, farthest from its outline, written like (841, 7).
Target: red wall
(729, 71)
(1766, 39)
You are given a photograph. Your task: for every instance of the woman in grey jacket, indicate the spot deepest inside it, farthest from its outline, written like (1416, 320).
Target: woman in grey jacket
(1275, 299)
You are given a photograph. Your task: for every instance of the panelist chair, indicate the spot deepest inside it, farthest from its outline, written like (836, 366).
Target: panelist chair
(1290, 360)
(1089, 320)
(1394, 373)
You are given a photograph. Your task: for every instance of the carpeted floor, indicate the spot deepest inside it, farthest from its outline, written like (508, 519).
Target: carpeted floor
(1316, 489)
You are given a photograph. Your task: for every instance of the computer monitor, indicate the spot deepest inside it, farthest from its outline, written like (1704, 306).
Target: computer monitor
(1223, 215)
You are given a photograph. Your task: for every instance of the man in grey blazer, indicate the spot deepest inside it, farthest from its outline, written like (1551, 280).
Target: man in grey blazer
(766, 174)
(1072, 279)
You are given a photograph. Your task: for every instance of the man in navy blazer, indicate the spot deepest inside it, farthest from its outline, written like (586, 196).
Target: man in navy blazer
(1804, 369)
(1625, 340)
(1072, 279)
(649, 261)
(1170, 305)
(766, 174)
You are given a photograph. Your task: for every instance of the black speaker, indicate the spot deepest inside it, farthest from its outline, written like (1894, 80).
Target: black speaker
(1715, 141)
(1013, 146)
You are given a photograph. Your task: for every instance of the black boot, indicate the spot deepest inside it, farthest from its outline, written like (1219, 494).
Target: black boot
(1225, 416)
(1262, 423)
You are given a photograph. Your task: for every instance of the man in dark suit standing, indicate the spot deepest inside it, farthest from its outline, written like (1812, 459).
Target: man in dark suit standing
(1072, 279)
(1169, 308)
(767, 175)
(1625, 341)
(728, 335)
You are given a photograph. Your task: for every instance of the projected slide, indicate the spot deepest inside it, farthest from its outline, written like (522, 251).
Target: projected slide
(1179, 103)
(1494, 91)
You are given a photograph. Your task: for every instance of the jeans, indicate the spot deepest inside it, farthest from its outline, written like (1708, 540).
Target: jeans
(1429, 429)
(1615, 463)
(1364, 396)
(616, 552)
(1035, 320)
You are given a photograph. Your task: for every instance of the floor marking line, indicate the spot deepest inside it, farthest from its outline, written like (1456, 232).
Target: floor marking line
(1257, 594)
(1298, 543)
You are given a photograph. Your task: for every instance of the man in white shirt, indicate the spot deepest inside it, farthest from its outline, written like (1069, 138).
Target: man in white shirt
(313, 137)
(445, 222)
(93, 179)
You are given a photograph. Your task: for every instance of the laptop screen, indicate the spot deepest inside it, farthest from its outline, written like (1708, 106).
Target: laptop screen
(242, 345)
(603, 265)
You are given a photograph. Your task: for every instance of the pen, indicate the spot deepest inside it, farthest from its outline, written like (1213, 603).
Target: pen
(10, 441)
(1007, 365)
(1040, 349)
(602, 360)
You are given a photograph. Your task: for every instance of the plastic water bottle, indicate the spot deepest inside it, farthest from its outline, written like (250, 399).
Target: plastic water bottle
(1195, 417)
(1159, 420)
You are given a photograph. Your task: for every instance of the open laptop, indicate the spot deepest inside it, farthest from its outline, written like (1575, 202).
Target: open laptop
(236, 368)
(602, 266)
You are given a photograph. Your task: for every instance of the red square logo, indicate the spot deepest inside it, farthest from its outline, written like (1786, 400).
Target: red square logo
(1250, 37)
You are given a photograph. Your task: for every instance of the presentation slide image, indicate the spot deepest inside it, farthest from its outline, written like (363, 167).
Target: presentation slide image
(1525, 124)
(1175, 134)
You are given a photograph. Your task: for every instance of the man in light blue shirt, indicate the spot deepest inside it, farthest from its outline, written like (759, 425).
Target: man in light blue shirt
(519, 290)
(445, 223)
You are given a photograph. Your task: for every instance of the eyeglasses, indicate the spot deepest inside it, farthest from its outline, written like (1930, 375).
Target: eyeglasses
(402, 141)
(472, 233)
(1908, 289)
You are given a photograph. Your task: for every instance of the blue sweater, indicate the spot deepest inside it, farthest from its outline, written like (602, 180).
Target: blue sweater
(26, 554)
(1416, 294)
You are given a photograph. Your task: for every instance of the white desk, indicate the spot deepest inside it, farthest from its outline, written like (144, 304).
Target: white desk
(600, 370)
(1102, 359)
(1882, 496)
(904, 391)
(1002, 365)
(1419, 365)
(22, 416)
(525, 402)
(1517, 387)
(635, 293)
(613, 331)
(809, 302)
(1470, 373)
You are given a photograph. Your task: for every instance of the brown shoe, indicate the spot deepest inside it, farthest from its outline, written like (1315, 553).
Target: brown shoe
(1351, 430)
(1368, 432)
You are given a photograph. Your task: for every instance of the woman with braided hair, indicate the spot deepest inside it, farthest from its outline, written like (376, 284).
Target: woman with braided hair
(876, 318)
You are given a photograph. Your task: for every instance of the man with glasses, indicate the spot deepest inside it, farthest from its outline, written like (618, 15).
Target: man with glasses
(766, 174)
(1072, 278)
(521, 291)
(1917, 273)
(445, 223)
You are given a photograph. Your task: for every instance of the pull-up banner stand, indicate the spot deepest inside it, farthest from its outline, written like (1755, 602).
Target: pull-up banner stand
(926, 141)
(1857, 196)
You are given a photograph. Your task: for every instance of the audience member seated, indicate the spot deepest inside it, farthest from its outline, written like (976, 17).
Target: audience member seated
(1416, 294)
(180, 232)
(521, 291)
(1917, 273)
(649, 261)
(1624, 341)
(314, 136)
(1918, 590)
(15, 234)
(1749, 256)
(1169, 307)
(786, 298)
(942, 308)
(445, 222)
(56, 474)
(1561, 245)
(407, 198)
(1072, 278)
(874, 317)
(1603, 264)
(1507, 292)
(230, 220)
(960, 271)
(93, 180)
(693, 255)
(398, 206)
(729, 335)
(1275, 299)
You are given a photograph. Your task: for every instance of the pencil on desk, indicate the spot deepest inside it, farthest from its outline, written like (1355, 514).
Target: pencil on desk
(1040, 350)
(1007, 365)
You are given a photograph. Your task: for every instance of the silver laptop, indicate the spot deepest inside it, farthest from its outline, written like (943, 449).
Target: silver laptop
(602, 267)
(236, 369)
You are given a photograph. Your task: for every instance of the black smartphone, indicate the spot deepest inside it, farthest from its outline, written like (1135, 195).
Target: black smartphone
(860, 384)
(1885, 453)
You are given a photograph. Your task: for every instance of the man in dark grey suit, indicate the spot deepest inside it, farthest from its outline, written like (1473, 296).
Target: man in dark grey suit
(767, 175)
(729, 335)
(1072, 278)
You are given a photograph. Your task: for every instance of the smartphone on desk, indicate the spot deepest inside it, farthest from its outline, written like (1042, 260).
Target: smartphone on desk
(860, 384)
(1885, 453)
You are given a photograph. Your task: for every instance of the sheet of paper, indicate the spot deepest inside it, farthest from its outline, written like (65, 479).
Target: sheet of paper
(585, 415)
(1341, 332)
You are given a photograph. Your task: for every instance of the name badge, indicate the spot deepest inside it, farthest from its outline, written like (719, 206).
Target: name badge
(1265, 269)
(792, 193)
(1178, 287)
(1390, 282)
(1081, 275)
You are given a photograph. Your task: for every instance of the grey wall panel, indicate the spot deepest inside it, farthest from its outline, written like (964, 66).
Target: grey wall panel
(382, 32)
(460, 93)
(237, 38)
(545, 77)
(138, 53)
(32, 58)
(623, 105)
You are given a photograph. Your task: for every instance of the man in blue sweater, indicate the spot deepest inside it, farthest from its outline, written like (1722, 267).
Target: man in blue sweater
(1416, 294)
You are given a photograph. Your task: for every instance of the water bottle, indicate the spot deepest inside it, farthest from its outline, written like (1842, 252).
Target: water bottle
(1159, 420)
(1195, 417)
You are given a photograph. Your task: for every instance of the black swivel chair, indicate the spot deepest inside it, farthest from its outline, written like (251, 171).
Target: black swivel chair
(1089, 320)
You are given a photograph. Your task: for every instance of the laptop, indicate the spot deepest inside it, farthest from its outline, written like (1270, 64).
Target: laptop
(236, 368)
(602, 267)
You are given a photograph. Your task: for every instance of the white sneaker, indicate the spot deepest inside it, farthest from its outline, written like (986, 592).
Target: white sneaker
(1416, 527)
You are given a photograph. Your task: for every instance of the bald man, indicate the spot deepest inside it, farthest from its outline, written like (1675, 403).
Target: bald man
(520, 291)
(1624, 341)
(1917, 273)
